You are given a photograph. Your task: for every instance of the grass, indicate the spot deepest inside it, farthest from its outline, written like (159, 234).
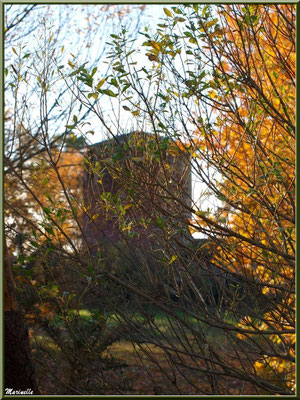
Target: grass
(162, 329)
(128, 351)
(160, 320)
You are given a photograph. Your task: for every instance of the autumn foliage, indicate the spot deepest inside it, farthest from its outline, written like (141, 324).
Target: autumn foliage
(253, 147)
(206, 284)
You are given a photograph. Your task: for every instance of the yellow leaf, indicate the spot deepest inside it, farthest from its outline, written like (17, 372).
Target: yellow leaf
(71, 64)
(276, 102)
(168, 12)
(211, 23)
(173, 258)
(193, 40)
(155, 45)
(212, 94)
(100, 83)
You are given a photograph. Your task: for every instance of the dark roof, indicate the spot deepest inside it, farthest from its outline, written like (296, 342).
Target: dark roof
(119, 138)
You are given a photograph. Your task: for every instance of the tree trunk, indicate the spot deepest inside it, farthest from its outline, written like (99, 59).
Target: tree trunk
(18, 366)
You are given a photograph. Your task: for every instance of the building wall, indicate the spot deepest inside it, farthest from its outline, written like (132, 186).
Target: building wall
(135, 169)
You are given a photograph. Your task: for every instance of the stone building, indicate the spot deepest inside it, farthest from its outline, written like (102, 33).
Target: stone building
(133, 184)
(138, 191)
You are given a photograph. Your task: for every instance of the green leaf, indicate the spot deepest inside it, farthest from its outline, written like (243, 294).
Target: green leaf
(20, 259)
(74, 210)
(45, 180)
(201, 213)
(204, 10)
(114, 83)
(179, 19)
(160, 222)
(74, 72)
(176, 10)
(49, 198)
(109, 92)
(91, 269)
(126, 87)
(49, 230)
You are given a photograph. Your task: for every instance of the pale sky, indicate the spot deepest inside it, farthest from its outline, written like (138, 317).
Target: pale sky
(72, 21)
